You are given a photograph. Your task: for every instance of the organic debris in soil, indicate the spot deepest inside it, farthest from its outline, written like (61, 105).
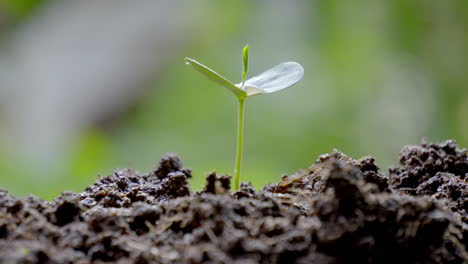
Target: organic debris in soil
(339, 210)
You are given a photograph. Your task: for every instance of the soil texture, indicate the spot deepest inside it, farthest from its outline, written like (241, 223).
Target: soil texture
(339, 210)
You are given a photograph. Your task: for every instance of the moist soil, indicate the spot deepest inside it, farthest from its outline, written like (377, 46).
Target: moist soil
(339, 210)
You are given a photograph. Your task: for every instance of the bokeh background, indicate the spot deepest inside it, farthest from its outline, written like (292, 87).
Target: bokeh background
(90, 86)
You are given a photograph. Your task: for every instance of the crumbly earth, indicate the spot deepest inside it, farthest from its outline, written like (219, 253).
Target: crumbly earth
(339, 210)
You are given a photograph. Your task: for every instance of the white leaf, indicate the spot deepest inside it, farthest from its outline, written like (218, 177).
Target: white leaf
(277, 78)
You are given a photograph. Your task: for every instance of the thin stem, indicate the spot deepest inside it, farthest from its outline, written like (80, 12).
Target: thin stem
(240, 139)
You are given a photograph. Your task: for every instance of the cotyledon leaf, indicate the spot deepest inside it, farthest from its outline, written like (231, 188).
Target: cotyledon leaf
(277, 78)
(216, 77)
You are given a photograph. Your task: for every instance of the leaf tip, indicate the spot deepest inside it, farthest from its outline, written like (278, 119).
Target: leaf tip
(245, 59)
(187, 60)
(245, 53)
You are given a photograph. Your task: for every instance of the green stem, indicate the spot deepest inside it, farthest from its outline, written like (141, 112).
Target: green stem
(240, 139)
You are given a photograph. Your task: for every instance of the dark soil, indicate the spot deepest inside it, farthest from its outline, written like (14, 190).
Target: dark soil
(339, 210)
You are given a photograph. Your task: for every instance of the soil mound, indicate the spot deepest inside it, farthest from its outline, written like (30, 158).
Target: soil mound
(339, 210)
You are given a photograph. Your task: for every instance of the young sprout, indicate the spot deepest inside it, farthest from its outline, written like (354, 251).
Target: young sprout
(275, 79)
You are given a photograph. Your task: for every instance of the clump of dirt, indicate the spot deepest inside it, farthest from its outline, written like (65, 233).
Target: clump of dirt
(125, 187)
(339, 210)
(436, 170)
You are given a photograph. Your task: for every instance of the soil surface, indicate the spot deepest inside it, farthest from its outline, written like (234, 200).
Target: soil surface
(339, 210)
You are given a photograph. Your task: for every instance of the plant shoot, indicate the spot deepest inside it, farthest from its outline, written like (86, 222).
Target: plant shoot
(275, 79)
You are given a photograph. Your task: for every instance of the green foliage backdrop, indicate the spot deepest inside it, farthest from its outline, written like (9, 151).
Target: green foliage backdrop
(378, 75)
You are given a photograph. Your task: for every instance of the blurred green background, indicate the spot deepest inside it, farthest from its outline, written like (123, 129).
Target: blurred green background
(378, 75)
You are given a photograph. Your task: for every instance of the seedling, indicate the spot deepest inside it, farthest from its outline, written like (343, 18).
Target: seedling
(275, 79)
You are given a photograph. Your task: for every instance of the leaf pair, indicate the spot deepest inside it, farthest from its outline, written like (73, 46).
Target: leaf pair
(275, 79)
